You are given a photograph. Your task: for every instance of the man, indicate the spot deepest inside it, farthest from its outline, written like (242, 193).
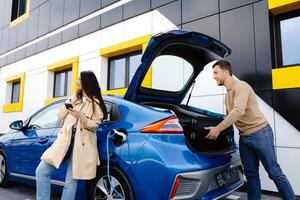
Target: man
(256, 136)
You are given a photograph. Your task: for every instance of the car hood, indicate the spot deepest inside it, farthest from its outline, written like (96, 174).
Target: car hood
(198, 48)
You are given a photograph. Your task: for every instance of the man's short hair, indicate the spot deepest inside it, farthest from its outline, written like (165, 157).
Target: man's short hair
(224, 65)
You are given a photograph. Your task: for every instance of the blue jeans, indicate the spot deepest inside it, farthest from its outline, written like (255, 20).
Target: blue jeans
(259, 146)
(43, 186)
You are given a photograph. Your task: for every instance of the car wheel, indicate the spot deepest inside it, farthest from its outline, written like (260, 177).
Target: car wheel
(3, 169)
(118, 188)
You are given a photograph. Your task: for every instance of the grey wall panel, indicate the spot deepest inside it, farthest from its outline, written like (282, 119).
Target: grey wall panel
(2, 11)
(111, 17)
(4, 45)
(11, 58)
(55, 40)
(34, 4)
(89, 6)
(71, 10)
(33, 23)
(135, 8)
(70, 34)
(263, 45)
(230, 4)
(286, 103)
(238, 34)
(108, 2)
(3, 61)
(89, 26)
(44, 19)
(56, 14)
(31, 50)
(266, 95)
(1, 33)
(12, 38)
(208, 26)
(7, 13)
(43, 1)
(195, 9)
(20, 54)
(42, 46)
(22, 33)
(172, 12)
(157, 3)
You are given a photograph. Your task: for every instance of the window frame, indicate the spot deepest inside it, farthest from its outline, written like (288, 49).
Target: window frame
(112, 50)
(277, 38)
(127, 67)
(16, 106)
(70, 63)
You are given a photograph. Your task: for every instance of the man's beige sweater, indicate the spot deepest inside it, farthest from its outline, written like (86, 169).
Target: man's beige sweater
(242, 109)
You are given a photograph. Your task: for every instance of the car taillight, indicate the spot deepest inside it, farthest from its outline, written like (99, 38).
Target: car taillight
(168, 125)
(175, 187)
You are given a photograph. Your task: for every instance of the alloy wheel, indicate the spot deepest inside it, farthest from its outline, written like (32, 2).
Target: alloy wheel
(106, 190)
(2, 168)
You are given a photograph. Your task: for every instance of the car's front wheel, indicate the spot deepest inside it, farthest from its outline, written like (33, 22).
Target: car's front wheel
(118, 188)
(3, 169)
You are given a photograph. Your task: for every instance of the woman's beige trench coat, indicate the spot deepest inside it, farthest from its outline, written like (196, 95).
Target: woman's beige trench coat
(85, 157)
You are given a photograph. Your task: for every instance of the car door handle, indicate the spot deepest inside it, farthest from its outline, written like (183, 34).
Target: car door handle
(43, 140)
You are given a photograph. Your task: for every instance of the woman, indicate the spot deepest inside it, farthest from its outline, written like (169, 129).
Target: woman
(82, 120)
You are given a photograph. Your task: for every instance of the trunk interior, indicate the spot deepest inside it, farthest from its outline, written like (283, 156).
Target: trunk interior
(193, 122)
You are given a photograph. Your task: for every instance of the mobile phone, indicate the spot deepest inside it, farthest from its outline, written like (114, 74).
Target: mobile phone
(68, 105)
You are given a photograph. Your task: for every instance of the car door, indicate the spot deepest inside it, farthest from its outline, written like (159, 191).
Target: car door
(29, 144)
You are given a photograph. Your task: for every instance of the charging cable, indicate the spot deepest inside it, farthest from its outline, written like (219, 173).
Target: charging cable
(114, 134)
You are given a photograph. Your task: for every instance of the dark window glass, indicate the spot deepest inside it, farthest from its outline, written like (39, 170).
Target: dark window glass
(15, 92)
(122, 69)
(62, 83)
(18, 8)
(288, 31)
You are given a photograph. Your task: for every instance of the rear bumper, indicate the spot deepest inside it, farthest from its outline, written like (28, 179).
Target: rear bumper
(203, 184)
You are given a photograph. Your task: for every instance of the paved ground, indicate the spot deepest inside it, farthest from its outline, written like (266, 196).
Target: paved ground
(20, 192)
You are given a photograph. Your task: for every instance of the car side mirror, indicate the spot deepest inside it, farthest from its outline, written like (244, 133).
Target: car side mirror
(16, 125)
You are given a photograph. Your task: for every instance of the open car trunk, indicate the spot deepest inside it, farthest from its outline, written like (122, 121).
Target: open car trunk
(174, 60)
(193, 122)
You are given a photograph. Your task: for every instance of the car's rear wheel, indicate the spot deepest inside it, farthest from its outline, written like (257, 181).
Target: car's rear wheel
(118, 188)
(3, 169)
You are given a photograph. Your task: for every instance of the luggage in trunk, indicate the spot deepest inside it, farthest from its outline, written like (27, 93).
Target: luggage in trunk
(193, 122)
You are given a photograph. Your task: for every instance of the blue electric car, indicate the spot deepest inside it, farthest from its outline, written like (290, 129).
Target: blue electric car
(165, 155)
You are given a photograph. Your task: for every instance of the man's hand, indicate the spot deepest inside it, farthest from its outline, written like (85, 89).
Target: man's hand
(213, 133)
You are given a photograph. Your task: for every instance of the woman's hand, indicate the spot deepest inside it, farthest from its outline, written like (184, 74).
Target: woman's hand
(75, 113)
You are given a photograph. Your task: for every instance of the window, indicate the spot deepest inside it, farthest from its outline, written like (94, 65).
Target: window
(15, 94)
(62, 83)
(122, 68)
(122, 61)
(287, 38)
(164, 65)
(18, 9)
(61, 80)
(47, 118)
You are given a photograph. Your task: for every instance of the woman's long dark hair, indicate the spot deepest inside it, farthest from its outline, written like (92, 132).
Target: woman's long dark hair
(92, 89)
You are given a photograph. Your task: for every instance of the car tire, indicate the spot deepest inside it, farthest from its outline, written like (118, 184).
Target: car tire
(99, 187)
(3, 169)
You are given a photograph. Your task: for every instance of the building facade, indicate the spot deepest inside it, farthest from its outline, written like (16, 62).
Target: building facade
(44, 44)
